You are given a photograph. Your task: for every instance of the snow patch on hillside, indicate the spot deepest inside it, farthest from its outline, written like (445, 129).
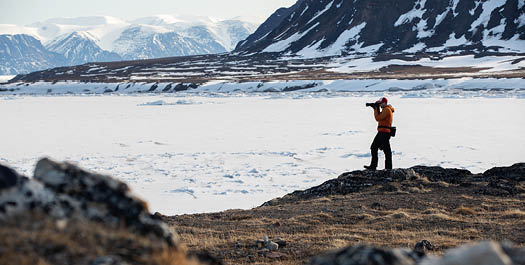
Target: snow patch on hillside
(284, 44)
(417, 12)
(483, 19)
(5, 78)
(337, 47)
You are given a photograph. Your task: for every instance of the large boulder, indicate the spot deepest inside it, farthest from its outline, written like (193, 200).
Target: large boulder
(63, 190)
(367, 255)
(515, 172)
(8, 177)
(484, 253)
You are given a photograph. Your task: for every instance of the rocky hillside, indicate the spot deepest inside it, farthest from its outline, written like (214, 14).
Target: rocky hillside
(506, 181)
(415, 210)
(315, 28)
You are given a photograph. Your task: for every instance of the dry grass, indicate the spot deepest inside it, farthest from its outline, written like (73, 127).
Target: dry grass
(465, 211)
(446, 215)
(399, 215)
(37, 239)
(513, 214)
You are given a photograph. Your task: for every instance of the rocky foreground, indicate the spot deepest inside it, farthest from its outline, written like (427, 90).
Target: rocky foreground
(66, 215)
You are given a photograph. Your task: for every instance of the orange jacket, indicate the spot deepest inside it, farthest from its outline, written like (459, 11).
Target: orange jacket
(384, 118)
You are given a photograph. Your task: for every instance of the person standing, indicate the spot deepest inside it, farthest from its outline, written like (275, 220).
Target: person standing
(384, 119)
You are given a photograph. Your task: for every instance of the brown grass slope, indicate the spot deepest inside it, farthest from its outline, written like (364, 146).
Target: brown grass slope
(37, 239)
(391, 209)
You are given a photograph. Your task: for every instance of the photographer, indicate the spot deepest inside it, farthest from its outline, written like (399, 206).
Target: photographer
(384, 132)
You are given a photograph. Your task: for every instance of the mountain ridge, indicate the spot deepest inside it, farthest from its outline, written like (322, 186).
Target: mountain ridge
(338, 27)
(103, 39)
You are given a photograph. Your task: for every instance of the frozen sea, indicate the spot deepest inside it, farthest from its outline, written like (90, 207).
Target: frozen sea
(207, 153)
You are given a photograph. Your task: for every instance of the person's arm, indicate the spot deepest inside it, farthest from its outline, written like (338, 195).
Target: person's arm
(381, 115)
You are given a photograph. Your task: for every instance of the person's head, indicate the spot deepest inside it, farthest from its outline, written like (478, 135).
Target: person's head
(382, 102)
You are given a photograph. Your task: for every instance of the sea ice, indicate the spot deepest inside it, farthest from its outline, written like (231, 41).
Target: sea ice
(244, 149)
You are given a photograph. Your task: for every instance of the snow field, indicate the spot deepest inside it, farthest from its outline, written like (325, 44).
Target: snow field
(195, 153)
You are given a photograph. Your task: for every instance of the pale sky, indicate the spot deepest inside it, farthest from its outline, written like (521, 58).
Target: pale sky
(24, 12)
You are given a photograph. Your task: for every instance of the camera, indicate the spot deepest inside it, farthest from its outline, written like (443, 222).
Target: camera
(373, 105)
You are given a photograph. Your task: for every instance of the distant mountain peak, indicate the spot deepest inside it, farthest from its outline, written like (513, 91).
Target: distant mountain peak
(103, 38)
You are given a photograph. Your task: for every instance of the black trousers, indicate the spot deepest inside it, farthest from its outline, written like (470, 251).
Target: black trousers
(381, 141)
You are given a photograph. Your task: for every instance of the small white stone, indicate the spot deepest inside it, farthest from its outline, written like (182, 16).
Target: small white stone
(61, 224)
(272, 246)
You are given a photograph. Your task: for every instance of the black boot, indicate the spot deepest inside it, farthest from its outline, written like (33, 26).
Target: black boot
(371, 168)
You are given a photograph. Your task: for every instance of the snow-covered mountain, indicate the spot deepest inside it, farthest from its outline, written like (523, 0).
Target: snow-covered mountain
(81, 47)
(143, 42)
(313, 28)
(23, 53)
(103, 38)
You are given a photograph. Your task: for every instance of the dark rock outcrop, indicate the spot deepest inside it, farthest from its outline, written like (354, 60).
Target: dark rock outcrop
(502, 181)
(515, 172)
(8, 177)
(63, 190)
(422, 247)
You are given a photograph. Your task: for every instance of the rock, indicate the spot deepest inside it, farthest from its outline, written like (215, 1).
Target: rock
(517, 255)
(167, 88)
(504, 181)
(183, 87)
(377, 206)
(153, 87)
(8, 177)
(281, 242)
(108, 260)
(63, 190)
(449, 175)
(423, 246)
(500, 187)
(367, 255)
(272, 246)
(484, 253)
(515, 172)
(29, 195)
